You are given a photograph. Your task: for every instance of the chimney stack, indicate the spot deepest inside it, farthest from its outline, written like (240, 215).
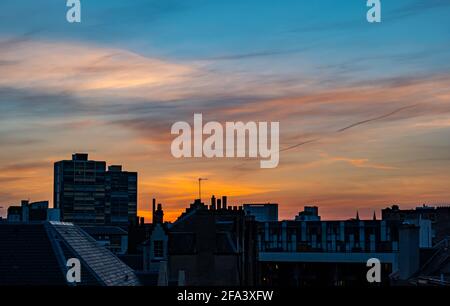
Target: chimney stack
(224, 202)
(25, 211)
(219, 204)
(159, 215)
(213, 202)
(153, 210)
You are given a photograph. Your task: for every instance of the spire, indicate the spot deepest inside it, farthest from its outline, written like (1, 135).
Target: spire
(374, 216)
(357, 215)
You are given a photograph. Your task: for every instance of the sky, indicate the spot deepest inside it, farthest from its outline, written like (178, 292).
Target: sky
(365, 108)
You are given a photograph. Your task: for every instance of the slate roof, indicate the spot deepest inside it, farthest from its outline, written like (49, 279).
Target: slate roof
(27, 256)
(104, 230)
(35, 254)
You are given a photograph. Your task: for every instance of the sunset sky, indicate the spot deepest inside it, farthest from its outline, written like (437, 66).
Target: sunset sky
(113, 85)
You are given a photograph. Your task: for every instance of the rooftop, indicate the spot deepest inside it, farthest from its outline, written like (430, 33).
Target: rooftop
(36, 254)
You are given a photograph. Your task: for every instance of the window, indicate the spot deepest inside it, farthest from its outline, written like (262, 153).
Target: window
(158, 248)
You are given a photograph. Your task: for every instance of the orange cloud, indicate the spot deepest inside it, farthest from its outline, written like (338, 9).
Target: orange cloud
(83, 68)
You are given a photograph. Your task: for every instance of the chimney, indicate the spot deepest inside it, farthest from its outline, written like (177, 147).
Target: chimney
(25, 210)
(153, 210)
(159, 215)
(213, 202)
(115, 168)
(142, 221)
(219, 204)
(80, 156)
(224, 202)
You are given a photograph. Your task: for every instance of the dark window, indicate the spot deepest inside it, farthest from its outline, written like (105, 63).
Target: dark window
(158, 248)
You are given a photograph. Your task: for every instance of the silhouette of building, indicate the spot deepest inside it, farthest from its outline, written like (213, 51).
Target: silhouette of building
(212, 245)
(438, 217)
(121, 196)
(138, 232)
(14, 214)
(310, 213)
(87, 194)
(157, 213)
(148, 249)
(262, 212)
(80, 190)
(334, 253)
(30, 212)
(156, 247)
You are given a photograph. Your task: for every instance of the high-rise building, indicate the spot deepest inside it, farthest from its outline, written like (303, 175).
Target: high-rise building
(79, 190)
(87, 194)
(121, 196)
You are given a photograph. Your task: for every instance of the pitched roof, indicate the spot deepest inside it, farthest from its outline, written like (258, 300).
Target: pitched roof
(36, 254)
(27, 256)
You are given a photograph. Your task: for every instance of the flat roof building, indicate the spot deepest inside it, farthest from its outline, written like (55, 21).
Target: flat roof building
(262, 212)
(87, 194)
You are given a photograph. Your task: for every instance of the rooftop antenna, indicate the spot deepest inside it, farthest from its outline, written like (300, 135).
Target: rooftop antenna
(200, 187)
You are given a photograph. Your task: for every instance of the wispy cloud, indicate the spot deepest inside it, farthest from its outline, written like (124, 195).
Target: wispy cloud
(358, 163)
(81, 67)
(419, 7)
(341, 89)
(24, 167)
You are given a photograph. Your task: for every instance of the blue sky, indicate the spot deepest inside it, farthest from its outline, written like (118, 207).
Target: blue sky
(113, 84)
(324, 32)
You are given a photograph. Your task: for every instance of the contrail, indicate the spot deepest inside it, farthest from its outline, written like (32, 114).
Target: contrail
(376, 118)
(353, 125)
(299, 144)
(344, 129)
